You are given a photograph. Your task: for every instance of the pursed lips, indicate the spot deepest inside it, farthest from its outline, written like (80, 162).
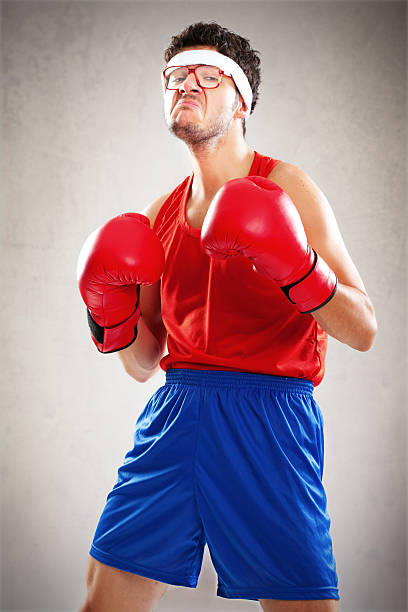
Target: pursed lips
(188, 102)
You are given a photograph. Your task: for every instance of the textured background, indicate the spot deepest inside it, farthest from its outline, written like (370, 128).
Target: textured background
(84, 139)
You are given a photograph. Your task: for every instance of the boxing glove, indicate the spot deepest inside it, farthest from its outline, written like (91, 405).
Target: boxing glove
(114, 261)
(254, 217)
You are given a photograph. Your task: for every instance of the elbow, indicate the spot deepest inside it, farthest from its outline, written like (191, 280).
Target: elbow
(370, 328)
(367, 340)
(136, 376)
(140, 376)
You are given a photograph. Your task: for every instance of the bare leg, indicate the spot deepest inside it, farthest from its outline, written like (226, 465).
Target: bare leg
(113, 590)
(316, 605)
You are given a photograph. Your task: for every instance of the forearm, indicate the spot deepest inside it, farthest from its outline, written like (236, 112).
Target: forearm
(349, 317)
(141, 359)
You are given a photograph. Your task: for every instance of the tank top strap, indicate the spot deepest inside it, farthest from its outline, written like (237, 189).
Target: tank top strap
(169, 210)
(262, 165)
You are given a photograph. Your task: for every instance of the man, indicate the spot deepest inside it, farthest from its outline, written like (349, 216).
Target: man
(243, 270)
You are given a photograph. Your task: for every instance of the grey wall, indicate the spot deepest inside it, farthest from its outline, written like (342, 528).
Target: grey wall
(85, 139)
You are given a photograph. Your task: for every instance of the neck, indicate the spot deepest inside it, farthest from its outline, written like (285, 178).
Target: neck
(215, 163)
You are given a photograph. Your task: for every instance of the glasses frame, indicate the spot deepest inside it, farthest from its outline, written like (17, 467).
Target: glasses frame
(221, 73)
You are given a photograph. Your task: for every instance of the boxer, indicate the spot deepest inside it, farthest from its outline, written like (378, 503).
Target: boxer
(241, 271)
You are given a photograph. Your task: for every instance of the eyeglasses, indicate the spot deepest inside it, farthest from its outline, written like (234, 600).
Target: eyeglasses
(208, 77)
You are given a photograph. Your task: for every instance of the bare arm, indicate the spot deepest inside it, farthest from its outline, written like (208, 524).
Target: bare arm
(349, 316)
(141, 359)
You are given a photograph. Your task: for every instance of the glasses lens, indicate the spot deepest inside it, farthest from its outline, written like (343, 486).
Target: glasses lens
(207, 76)
(174, 77)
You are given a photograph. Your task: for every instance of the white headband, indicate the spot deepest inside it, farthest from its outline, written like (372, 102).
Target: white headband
(213, 58)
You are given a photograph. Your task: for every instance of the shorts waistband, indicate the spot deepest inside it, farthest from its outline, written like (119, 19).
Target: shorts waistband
(238, 379)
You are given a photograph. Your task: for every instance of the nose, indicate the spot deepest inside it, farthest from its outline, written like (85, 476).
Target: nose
(190, 84)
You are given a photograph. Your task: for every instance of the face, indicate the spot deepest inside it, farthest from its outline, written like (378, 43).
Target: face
(196, 115)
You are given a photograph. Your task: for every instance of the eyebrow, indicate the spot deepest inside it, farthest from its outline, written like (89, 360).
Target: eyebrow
(196, 65)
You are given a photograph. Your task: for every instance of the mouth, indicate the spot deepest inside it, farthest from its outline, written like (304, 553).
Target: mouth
(188, 103)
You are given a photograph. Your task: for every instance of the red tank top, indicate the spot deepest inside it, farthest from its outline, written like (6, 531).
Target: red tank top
(222, 314)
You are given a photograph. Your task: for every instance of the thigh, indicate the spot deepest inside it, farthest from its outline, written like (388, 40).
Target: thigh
(261, 496)
(114, 589)
(150, 525)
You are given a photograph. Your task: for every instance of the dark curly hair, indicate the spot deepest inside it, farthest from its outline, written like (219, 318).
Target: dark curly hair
(226, 42)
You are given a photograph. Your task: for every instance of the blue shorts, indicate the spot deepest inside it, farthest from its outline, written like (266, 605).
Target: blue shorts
(233, 460)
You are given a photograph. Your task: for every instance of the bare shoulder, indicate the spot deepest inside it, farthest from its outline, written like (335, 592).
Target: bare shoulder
(318, 220)
(307, 196)
(151, 211)
(280, 167)
(291, 176)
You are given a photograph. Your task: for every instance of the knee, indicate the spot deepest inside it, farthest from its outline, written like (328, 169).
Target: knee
(91, 573)
(90, 585)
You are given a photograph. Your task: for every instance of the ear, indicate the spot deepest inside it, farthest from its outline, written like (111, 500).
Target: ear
(241, 109)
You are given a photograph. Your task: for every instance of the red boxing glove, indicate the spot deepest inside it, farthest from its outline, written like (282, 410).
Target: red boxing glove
(114, 260)
(255, 218)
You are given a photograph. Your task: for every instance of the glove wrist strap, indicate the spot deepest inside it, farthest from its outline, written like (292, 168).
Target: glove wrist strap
(313, 290)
